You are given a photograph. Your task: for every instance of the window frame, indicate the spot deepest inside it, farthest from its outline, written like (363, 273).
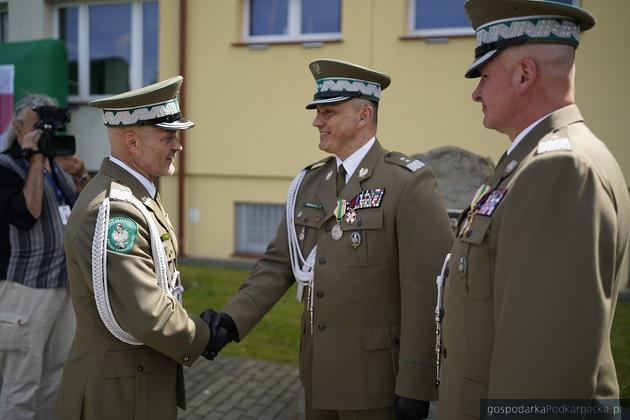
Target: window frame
(454, 31)
(4, 23)
(136, 61)
(294, 30)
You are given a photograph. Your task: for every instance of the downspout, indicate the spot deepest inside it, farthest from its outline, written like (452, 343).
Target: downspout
(181, 174)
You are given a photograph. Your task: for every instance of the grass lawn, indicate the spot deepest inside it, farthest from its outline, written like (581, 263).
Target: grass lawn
(277, 336)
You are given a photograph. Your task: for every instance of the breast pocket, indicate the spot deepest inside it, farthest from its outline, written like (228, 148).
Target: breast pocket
(363, 242)
(307, 224)
(472, 261)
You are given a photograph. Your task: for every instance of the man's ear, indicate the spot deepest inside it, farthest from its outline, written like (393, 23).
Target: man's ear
(527, 74)
(365, 116)
(130, 140)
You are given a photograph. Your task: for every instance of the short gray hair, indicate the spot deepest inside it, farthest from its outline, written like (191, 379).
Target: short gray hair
(26, 103)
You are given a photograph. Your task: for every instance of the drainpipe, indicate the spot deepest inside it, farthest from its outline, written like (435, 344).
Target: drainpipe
(181, 174)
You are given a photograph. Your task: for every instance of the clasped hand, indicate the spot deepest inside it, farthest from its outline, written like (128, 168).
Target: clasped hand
(222, 331)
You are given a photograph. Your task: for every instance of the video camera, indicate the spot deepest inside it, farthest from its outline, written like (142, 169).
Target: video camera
(51, 120)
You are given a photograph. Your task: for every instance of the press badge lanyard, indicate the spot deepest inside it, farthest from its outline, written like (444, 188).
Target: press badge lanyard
(63, 207)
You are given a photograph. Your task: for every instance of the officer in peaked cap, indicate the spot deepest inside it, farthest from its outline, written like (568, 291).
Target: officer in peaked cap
(537, 263)
(364, 234)
(133, 336)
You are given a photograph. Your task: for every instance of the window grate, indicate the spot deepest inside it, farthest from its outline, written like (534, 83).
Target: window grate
(256, 225)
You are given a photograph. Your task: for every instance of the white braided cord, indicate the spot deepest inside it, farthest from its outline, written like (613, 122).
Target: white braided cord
(99, 277)
(169, 283)
(302, 269)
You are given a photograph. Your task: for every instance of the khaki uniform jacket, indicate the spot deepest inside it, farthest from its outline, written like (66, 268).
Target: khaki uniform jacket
(105, 378)
(373, 310)
(532, 288)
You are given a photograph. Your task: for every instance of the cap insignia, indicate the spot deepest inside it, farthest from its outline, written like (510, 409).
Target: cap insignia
(131, 116)
(553, 28)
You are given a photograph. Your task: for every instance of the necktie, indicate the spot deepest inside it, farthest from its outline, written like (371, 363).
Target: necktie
(341, 178)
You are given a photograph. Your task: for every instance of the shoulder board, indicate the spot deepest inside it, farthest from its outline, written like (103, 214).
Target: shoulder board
(319, 163)
(405, 161)
(553, 144)
(117, 190)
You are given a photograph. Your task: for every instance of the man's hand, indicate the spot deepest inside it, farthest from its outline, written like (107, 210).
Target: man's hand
(222, 331)
(74, 166)
(410, 409)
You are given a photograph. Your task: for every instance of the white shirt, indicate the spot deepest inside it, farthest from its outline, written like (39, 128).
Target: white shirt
(523, 133)
(352, 162)
(150, 187)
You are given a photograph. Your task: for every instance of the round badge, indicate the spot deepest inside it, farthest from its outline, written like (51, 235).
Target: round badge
(355, 239)
(121, 234)
(336, 232)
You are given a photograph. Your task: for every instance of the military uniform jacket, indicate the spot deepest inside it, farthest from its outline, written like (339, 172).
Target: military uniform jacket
(533, 284)
(105, 378)
(373, 331)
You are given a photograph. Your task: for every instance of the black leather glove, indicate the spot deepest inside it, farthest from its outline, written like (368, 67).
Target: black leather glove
(222, 331)
(410, 409)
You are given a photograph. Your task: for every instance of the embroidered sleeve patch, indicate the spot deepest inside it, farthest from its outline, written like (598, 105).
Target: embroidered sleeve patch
(121, 234)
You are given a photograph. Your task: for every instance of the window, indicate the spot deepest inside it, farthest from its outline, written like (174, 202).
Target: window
(4, 24)
(435, 18)
(112, 47)
(291, 20)
(256, 226)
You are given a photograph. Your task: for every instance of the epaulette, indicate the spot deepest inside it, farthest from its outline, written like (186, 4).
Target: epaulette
(559, 141)
(319, 163)
(405, 161)
(117, 189)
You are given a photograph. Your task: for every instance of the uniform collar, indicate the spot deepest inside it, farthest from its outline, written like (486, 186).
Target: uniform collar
(352, 162)
(523, 133)
(559, 118)
(124, 177)
(327, 190)
(148, 185)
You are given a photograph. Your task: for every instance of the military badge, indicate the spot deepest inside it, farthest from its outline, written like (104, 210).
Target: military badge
(492, 201)
(121, 234)
(510, 167)
(329, 175)
(363, 172)
(355, 239)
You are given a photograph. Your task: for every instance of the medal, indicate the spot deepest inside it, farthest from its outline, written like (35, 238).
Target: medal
(336, 232)
(351, 216)
(340, 211)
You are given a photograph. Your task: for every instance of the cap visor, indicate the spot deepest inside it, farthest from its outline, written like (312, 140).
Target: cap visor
(473, 70)
(324, 101)
(181, 124)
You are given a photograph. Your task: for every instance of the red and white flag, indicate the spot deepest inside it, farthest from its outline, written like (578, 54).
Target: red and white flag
(7, 72)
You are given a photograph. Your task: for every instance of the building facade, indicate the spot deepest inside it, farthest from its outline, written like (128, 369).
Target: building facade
(247, 82)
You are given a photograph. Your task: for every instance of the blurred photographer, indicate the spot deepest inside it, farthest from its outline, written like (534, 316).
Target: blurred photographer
(37, 191)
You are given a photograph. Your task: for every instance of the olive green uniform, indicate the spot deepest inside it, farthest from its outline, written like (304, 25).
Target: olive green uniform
(373, 331)
(532, 288)
(105, 378)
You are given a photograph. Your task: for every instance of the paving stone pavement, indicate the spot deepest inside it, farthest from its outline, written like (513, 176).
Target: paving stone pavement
(238, 388)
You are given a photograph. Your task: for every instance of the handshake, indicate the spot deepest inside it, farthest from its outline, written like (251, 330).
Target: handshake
(222, 331)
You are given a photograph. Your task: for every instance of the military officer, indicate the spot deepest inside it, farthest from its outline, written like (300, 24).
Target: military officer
(364, 234)
(133, 336)
(538, 260)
